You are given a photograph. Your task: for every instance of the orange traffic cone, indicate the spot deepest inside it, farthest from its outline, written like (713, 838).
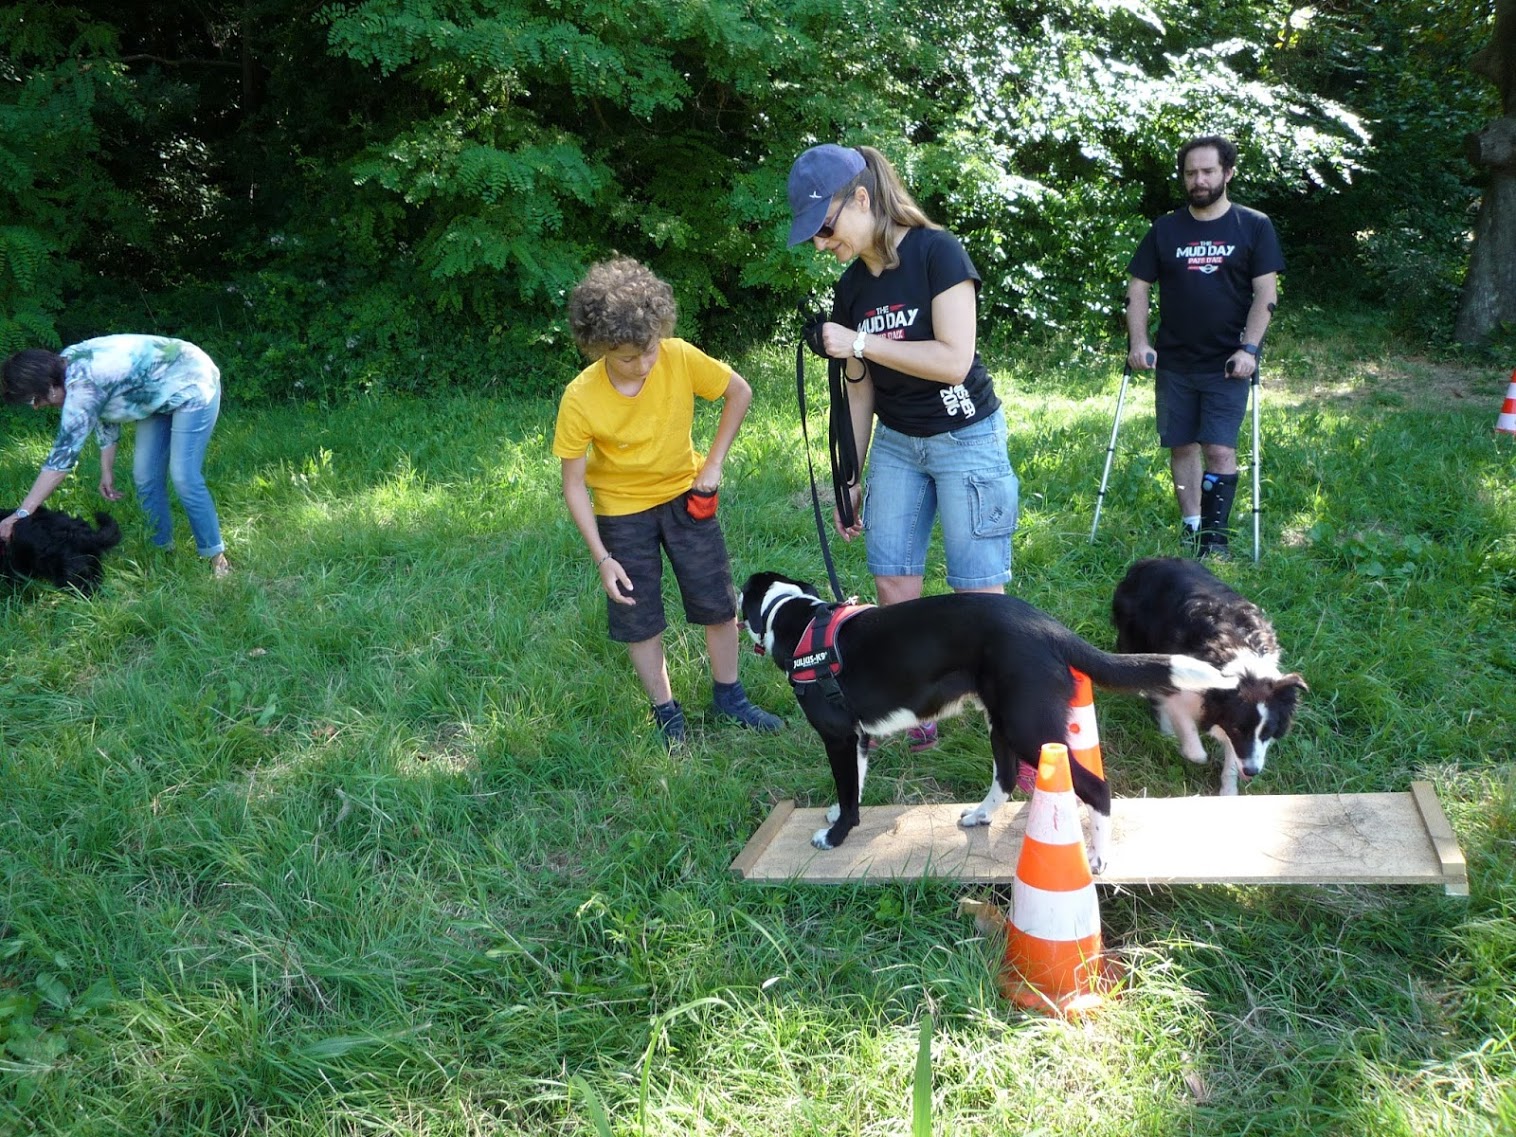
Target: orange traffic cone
(1053, 957)
(1084, 732)
(1505, 423)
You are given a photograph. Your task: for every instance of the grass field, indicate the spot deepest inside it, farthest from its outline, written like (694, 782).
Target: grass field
(375, 837)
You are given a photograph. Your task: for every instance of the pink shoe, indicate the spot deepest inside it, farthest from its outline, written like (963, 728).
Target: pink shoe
(923, 737)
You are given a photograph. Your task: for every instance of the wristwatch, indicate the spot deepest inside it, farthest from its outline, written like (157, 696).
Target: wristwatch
(20, 513)
(1250, 348)
(858, 344)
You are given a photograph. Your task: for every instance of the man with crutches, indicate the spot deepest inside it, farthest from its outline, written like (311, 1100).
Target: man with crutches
(1216, 265)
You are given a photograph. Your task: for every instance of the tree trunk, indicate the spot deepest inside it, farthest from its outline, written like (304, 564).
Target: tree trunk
(1489, 290)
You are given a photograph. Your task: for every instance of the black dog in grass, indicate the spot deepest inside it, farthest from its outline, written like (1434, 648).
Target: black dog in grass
(1177, 604)
(859, 673)
(59, 548)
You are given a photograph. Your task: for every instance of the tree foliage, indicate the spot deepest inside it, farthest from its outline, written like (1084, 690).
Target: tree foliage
(397, 193)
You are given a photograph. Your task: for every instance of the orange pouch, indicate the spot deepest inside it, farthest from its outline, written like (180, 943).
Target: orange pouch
(701, 505)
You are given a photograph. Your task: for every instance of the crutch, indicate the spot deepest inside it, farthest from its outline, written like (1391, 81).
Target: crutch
(1110, 451)
(1257, 460)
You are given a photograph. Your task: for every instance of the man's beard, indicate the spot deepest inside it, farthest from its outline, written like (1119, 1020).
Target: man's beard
(1203, 196)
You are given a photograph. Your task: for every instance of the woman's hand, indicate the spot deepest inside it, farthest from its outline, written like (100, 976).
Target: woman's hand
(6, 526)
(108, 488)
(838, 340)
(847, 533)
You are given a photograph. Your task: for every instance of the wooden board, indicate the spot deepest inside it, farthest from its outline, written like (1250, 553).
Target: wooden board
(1385, 838)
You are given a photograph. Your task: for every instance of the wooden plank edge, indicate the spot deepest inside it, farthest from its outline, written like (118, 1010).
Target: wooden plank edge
(760, 841)
(1455, 870)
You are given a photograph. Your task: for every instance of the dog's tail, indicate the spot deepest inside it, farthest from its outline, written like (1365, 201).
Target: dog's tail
(107, 533)
(1156, 673)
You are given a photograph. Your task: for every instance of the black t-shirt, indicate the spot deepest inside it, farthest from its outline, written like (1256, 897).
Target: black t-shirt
(898, 303)
(1205, 272)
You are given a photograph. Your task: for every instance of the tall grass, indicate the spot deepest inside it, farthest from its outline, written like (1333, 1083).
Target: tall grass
(375, 837)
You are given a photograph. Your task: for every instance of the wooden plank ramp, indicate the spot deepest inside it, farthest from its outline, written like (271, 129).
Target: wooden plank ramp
(1379, 838)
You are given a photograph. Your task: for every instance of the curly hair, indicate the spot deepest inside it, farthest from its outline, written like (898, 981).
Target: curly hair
(32, 375)
(620, 302)
(1226, 151)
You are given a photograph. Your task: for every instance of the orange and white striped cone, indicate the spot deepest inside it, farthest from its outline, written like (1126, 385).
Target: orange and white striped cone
(1053, 960)
(1084, 732)
(1505, 423)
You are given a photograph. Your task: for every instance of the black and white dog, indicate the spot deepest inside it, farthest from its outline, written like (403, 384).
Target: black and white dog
(882, 670)
(59, 548)
(1176, 604)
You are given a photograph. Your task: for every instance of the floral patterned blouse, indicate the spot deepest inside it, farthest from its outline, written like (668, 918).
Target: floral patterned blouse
(126, 378)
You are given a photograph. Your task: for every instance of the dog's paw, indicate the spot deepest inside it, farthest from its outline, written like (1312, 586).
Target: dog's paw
(832, 815)
(1194, 752)
(1228, 788)
(974, 817)
(1097, 863)
(818, 839)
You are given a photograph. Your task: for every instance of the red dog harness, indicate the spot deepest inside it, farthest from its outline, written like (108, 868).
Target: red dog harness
(817, 657)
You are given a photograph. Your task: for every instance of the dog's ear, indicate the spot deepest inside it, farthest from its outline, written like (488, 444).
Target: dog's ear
(1293, 679)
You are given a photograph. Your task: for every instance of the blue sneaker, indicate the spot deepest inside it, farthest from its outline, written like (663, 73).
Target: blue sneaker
(730, 701)
(670, 720)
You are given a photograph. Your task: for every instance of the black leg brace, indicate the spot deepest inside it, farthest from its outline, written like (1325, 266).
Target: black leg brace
(1216, 494)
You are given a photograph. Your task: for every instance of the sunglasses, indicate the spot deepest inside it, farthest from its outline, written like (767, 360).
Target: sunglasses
(829, 226)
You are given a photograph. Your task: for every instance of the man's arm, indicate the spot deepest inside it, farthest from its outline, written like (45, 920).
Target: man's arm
(1243, 363)
(1140, 353)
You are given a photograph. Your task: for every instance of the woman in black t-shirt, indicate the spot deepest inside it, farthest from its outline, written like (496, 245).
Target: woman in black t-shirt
(904, 319)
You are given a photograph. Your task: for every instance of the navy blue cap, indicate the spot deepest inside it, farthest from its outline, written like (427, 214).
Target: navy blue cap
(816, 177)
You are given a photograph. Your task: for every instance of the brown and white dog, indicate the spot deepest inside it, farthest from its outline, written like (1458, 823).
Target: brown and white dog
(859, 673)
(1176, 604)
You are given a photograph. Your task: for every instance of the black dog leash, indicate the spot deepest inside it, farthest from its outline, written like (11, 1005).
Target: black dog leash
(841, 447)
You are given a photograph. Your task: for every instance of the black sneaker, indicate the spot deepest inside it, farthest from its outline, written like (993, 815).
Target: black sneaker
(731, 702)
(670, 720)
(1213, 543)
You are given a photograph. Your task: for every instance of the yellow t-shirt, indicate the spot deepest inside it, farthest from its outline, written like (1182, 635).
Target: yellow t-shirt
(638, 451)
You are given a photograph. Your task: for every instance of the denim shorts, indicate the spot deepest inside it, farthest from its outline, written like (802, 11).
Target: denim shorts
(1205, 408)
(697, 552)
(964, 475)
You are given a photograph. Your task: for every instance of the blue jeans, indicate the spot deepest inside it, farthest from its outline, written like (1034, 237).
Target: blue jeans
(966, 476)
(171, 446)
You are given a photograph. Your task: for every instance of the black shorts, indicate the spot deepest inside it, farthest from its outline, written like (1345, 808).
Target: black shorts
(1199, 408)
(697, 552)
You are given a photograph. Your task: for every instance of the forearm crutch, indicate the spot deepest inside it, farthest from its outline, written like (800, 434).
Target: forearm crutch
(1110, 451)
(1257, 462)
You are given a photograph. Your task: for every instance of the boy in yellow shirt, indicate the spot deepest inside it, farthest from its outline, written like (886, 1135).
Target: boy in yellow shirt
(623, 434)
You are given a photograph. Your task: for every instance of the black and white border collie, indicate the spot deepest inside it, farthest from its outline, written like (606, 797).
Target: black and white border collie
(1176, 604)
(59, 548)
(926, 659)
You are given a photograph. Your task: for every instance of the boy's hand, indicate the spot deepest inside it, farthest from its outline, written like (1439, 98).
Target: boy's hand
(709, 478)
(613, 579)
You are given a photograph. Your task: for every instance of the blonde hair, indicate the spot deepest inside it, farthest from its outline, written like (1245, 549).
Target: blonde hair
(620, 302)
(893, 208)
